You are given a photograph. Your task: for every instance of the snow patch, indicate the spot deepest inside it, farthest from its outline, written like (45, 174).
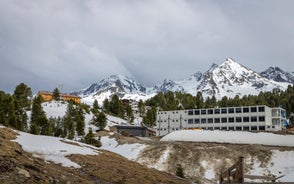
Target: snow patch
(53, 149)
(235, 137)
(129, 151)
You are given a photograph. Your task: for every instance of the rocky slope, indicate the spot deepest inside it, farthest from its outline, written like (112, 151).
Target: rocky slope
(18, 166)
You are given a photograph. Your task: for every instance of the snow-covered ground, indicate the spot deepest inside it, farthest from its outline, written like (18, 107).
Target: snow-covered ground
(234, 137)
(129, 151)
(281, 162)
(53, 149)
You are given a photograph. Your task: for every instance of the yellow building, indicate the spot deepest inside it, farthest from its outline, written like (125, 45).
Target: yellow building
(48, 96)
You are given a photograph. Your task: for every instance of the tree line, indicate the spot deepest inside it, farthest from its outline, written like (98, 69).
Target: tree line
(14, 108)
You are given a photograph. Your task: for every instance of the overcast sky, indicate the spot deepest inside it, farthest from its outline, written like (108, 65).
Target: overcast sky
(46, 43)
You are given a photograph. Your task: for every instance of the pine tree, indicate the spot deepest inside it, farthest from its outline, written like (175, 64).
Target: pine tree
(99, 120)
(56, 94)
(95, 108)
(80, 121)
(38, 117)
(106, 106)
(89, 139)
(129, 113)
(22, 95)
(141, 107)
(199, 101)
(2, 118)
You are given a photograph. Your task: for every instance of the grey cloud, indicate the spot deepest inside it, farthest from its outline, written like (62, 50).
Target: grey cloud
(75, 43)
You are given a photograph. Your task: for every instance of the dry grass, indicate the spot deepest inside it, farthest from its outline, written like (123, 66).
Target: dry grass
(18, 166)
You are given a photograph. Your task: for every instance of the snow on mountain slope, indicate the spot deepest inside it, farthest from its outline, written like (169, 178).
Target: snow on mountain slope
(231, 78)
(115, 83)
(278, 75)
(228, 79)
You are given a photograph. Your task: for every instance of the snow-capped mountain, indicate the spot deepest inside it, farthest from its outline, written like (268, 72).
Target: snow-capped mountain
(278, 75)
(231, 78)
(123, 86)
(118, 84)
(228, 79)
(169, 85)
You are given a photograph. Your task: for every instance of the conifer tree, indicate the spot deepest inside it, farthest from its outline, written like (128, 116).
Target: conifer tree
(95, 108)
(106, 105)
(199, 101)
(38, 117)
(90, 139)
(56, 94)
(22, 95)
(2, 118)
(99, 120)
(129, 113)
(141, 107)
(80, 121)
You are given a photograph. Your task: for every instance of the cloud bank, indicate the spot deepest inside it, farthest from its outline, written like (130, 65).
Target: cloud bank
(77, 42)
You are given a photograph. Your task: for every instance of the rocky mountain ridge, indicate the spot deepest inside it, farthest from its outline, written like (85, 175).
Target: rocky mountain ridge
(228, 79)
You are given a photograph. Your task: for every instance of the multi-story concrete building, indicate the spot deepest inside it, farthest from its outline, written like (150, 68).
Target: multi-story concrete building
(247, 118)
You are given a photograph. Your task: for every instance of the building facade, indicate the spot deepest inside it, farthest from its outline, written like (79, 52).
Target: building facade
(48, 96)
(247, 118)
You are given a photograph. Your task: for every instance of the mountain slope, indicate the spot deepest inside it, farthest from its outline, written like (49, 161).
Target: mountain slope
(116, 84)
(231, 78)
(228, 79)
(278, 75)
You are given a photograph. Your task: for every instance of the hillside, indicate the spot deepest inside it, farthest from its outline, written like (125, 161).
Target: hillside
(19, 166)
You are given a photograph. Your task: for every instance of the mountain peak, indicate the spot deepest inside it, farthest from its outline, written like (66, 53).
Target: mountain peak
(230, 60)
(278, 75)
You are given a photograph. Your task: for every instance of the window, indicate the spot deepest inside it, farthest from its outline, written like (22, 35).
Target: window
(216, 120)
(261, 127)
(261, 109)
(238, 119)
(196, 121)
(261, 118)
(238, 128)
(245, 119)
(224, 120)
(224, 111)
(245, 109)
(190, 121)
(254, 128)
(203, 121)
(197, 112)
(253, 109)
(253, 119)
(231, 128)
(216, 111)
(231, 120)
(210, 120)
(246, 128)
(190, 112)
(203, 111)
(224, 128)
(210, 111)
(239, 110)
(231, 110)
